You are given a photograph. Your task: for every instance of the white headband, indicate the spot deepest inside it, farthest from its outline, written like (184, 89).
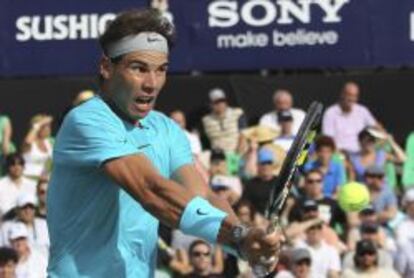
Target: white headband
(143, 41)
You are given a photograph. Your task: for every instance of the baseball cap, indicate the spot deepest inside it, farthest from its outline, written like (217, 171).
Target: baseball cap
(408, 197)
(369, 228)
(225, 182)
(310, 205)
(375, 170)
(365, 246)
(26, 199)
(265, 156)
(284, 116)
(216, 94)
(18, 230)
(369, 210)
(300, 254)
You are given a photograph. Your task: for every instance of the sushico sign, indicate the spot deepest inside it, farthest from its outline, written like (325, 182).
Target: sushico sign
(59, 37)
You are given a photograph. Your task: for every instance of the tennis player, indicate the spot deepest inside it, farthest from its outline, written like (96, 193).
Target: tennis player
(120, 168)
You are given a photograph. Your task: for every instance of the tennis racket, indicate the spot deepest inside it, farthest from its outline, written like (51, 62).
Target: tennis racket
(295, 158)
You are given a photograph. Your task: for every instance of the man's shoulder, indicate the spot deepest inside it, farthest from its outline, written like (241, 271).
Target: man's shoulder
(333, 109)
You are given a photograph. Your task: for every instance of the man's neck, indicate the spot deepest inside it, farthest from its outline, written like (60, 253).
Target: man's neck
(119, 112)
(345, 109)
(315, 244)
(16, 180)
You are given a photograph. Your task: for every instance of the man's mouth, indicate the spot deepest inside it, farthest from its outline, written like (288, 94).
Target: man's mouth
(144, 100)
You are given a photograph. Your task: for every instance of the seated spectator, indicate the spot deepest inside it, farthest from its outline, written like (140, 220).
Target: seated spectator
(222, 126)
(256, 138)
(366, 263)
(404, 260)
(370, 155)
(37, 147)
(30, 263)
(8, 262)
(325, 258)
(195, 144)
(333, 171)
(328, 234)
(370, 231)
(346, 119)
(408, 170)
(227, 187)
(42, 187)
(405, 229)
(201, 260)
(286, 137)
(382, 198)
(370, 217)
(328, 208)
(257, 190)
(37, 232)
(282, 101)
(301, 263)
(14, 183)
(6, 145)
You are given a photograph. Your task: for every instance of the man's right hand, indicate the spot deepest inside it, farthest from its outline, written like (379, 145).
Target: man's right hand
(259, 247)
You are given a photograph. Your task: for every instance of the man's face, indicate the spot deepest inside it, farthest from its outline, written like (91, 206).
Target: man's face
(283, 102)
(314, 235)
(374, 182)
(324, 154)
(200, 258)
(21, 245)
(244, 215)
(219, 106)
(350, 95)
(265, 169)
(367, 259)
(301, 269)
(16, 170)
(374, 237)
(313, 184)
(42, 192)
(27, 213)
(8, 269)
(135, 81)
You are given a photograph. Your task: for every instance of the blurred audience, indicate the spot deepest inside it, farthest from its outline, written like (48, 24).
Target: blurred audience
(346, 119)
(282, 101)
(333, 170)
(223, 125)
(37, 147)
(286, 136)
(8, 262)
(301, 263)
(408, 170)
(201, 260)
(366, 263)
(14, 183)
(6, 145)
(42, 186)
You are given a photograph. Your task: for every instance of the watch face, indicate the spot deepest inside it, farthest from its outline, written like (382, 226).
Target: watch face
(238, 232)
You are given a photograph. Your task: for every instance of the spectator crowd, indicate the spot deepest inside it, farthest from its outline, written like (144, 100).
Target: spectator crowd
(241, 164)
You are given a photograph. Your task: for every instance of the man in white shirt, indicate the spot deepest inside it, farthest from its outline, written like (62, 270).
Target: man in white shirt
(14, 183)
(346, 119)
(37, 232)
(325, 258)
(405, 229)
(286, 137)
(282, 101)
(31, 264)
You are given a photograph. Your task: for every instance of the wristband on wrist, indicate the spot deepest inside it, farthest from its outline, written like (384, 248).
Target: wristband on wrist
(201, 219)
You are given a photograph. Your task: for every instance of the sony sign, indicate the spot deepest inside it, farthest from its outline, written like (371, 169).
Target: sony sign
(228, 13)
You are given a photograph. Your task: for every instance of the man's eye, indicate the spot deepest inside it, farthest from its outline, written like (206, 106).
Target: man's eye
(137, 68)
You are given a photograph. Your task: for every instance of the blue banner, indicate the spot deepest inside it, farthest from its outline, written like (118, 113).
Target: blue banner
(60, 37)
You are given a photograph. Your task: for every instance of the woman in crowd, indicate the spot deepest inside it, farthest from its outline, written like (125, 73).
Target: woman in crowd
(37, 147)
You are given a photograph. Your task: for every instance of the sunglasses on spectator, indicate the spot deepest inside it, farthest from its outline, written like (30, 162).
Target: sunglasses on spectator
(369, 253)
(314, 180)
(31, 206)
(199, 254)
(374, 176)
(266, 163)
(42, 192)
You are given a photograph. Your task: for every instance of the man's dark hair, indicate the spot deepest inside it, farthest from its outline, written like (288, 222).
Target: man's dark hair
(312, 171)
(324, 141)
(13, 159)
(133, 22)
(196, 243)
(7, 254)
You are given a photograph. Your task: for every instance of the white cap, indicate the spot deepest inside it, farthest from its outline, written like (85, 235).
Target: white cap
(18, 230)
(408, 197)
(26, 199)
(229, 182)
(216, 94)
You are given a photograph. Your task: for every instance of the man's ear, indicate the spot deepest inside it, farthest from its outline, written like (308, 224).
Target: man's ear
(105, 67)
